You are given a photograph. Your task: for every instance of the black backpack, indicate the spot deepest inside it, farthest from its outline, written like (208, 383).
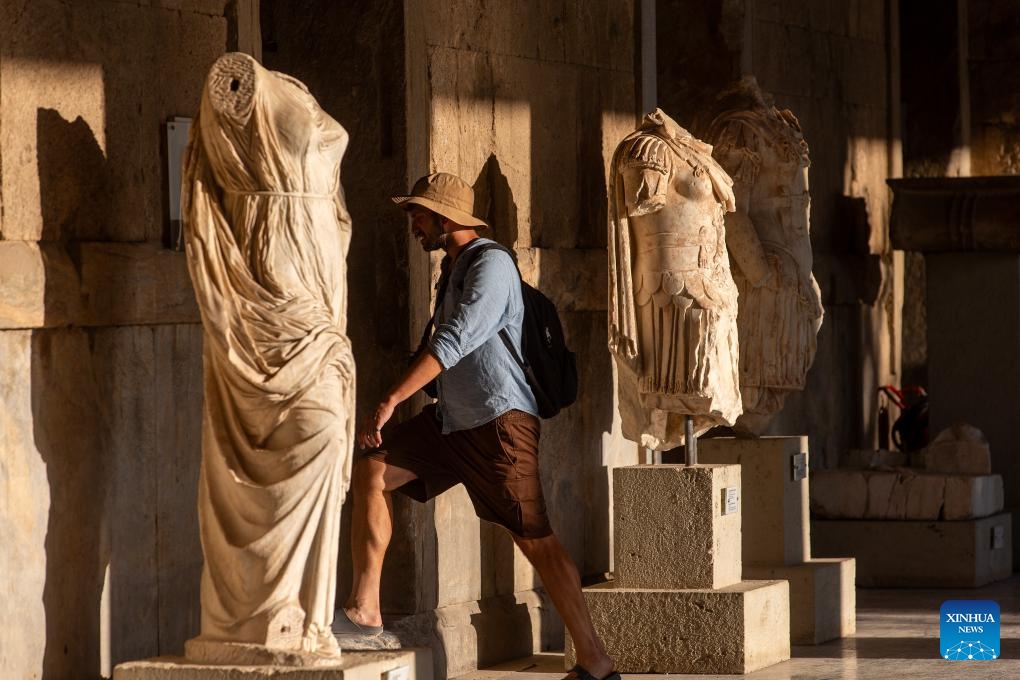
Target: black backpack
(548, 364)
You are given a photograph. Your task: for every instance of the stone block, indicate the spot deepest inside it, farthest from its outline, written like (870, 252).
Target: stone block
(84, 121)
(960, 450)
(478, 634)
(881, 488)
(823, 599)
(971, 497)
(775, 530)
(30, 534)
(737, 629)
(40, 286)
(904, 494)
(352, 666)
(670, 529)
(574, 279)
(104, 284)
(838, 493)
(925, 496)
(918, 554)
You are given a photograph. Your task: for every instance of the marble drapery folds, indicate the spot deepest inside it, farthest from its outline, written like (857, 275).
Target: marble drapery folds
(267, 233)
(763, 149)
(672, 302)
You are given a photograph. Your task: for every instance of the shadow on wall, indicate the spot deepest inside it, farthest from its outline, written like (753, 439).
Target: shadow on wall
(77, 544)
(65, 409)
(502, 626)
(116, 418)
(495, 201)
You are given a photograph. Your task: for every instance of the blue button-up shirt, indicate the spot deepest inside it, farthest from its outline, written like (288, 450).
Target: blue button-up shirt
(480, 379)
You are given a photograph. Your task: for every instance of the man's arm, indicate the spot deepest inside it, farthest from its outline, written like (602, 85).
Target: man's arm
(480, 309)
(424, 369)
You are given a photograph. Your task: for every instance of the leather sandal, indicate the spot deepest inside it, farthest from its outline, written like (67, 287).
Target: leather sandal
(342, 625)
(579, 672)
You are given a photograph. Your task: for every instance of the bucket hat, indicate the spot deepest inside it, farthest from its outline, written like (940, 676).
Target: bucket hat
(445, 194)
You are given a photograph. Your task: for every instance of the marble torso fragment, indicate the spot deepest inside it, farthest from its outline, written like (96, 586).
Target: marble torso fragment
(267, 233)
(672, 300)
(764, 151)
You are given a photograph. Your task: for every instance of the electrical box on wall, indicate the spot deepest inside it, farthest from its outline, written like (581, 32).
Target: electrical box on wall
(177, 130)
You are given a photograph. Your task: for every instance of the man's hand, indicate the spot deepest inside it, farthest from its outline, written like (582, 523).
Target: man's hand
(424, 369)
(370, 434)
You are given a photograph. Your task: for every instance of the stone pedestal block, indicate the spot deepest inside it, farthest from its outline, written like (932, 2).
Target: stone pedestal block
(823, 600)
(737, 629)
(911, 554)
(775, 490)
(413, 664)
(904, 494)
(673, 529)
(972, 496)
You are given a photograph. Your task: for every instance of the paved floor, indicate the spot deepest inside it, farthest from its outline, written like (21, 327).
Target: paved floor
(897, 639)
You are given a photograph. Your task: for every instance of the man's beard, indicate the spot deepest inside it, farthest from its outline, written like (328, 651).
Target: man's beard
(433, 244)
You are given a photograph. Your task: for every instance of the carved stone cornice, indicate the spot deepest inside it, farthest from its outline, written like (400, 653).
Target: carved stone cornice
(956, 214)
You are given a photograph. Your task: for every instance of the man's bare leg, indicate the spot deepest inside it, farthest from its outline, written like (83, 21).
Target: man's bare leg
(563, 583)
(371, 530)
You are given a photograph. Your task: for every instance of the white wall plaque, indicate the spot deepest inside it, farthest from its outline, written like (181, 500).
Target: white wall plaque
(731, 500)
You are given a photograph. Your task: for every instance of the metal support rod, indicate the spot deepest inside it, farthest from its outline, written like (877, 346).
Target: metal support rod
(690, 442)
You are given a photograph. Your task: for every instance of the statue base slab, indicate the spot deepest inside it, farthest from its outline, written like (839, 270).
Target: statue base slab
(898, 554)
(737, 629)
(412, 664)
(199, 650)
(823, 600)
(361, 643)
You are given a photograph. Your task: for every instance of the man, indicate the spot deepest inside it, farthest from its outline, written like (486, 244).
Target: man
(482, 433)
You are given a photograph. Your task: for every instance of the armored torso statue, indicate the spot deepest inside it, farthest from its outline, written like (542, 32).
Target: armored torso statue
(764, 151)
(672, 301)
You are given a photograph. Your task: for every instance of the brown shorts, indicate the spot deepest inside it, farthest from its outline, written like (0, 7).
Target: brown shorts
(496, 462)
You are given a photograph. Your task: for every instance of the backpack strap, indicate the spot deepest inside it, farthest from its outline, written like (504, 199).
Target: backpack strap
(504, 334)
(444, 280)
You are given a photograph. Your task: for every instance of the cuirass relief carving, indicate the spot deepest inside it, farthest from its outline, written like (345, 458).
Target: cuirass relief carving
(672, 298)
(763, 149)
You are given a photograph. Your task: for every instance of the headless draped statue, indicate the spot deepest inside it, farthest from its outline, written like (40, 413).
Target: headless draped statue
(673, 304)
(769, 238)
(267, 234)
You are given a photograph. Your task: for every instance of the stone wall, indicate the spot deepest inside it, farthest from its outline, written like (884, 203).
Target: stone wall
(992, 34)
(527, 101)
(100, 382)
(960, 107)
(829, 63)
(351, 57)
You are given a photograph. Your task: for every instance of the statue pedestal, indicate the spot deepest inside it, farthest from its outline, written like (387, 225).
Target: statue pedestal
(678, 604)
(406, 664)
(776, 534)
